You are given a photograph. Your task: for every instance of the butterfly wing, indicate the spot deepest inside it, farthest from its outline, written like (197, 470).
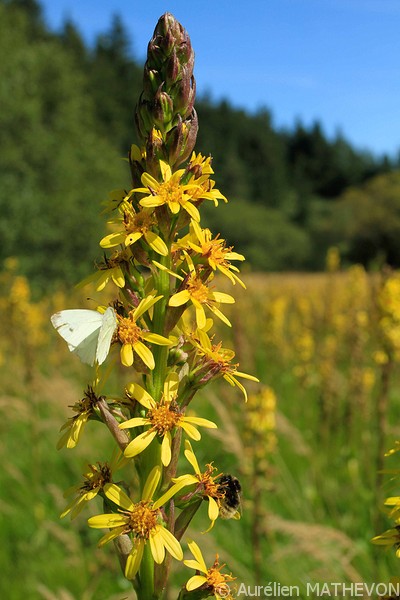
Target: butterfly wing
(108, 327)
(80, 329)
(86, 350)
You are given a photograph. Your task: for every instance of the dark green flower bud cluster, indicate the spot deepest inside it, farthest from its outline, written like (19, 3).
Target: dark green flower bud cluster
(165, 115)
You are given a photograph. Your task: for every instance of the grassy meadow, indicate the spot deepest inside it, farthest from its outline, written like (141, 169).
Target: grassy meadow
(308, 447)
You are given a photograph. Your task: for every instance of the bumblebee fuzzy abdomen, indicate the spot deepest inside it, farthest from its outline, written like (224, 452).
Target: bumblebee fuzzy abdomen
(230, 502)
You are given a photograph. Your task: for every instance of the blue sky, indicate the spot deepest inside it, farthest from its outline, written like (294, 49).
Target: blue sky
(337, 61)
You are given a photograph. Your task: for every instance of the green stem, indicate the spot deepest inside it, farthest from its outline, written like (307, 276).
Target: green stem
(152, 456)
(160, 353)
(146, 589)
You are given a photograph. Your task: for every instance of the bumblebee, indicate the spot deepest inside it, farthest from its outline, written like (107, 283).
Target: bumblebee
(230, 503)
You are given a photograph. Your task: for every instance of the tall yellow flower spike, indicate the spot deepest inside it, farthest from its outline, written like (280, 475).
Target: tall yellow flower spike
(161, 418)
(161, 265)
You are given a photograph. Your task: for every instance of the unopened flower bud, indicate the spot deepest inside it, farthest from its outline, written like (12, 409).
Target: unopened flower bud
(163, 110)
(169, 91)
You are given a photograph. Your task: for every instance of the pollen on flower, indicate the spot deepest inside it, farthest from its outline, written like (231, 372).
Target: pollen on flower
(97, 477)
(216, 251)
(216, 579)
(217, 360)
(128, 331)
(197, 289)
(163, 418)
(222, 357)
(87, 404)
(143, 519)
(208, 481)
(138, 222)
(170, 192)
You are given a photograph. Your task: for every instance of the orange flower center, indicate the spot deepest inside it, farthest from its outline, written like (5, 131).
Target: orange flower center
(197, 289)
(163, 418)
(141, 221)
(143, 519)
(220, 359)
(97, 477)
(171, 193)
(128, 331)
(210, 487)
(218, 580)
(215, 251)
(87, 404)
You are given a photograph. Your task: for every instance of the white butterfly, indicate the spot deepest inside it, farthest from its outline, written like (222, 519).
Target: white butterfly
(88, 333)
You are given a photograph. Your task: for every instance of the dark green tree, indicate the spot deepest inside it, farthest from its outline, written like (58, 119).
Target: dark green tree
(368, 221)
(115, 83)
(55, 167)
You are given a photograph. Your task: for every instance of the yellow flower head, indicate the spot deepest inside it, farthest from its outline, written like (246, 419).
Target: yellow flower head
(215, 361)
(212, 579)
(206, 484)
(391, 537)
(215, 252)
(200, 168)
(161, 418)
(111, 269)
(137, 225)
(200, 295)
(142, 521)
(73, 428)
(131, 335)
(94, 481)
(171, 192)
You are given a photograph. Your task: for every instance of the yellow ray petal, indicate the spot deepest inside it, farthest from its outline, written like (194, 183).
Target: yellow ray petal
(201, 318)
(200, 421)
(166, 449)
(117, 276)
(132, 238)
(192, 210)
(155, 338)
(157, 545)
(171, 385)
(156, 243)
(127, 355)
(190, 455)
(137, 445)
(213, 509)
(179, 298)
(113, 239)
(179, 484)
(151, 201)
(151, 484)
(222, 297)
(145, 354)
(111, 535)
(171, 543)
(149, 181)
(220, 315)
(115, 494)
(195, 550)
(135, 422)
(134, 559)
(140, 394)
(107, 520)
(195, 582)
(144, 306)
(190, 430)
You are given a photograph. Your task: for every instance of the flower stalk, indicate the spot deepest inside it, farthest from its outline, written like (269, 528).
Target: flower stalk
(162, 266)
